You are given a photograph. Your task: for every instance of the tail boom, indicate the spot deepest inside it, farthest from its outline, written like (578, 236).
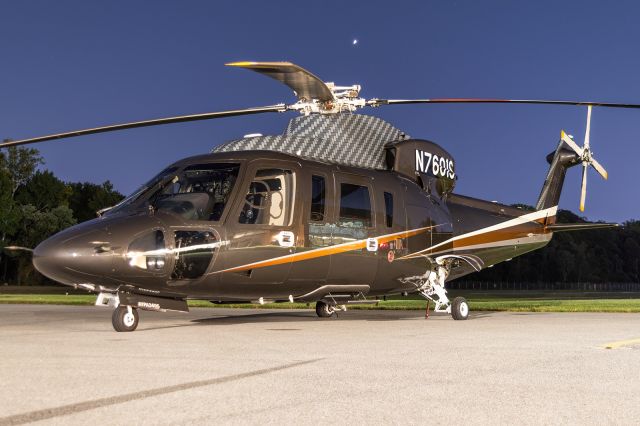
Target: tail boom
(560, 160)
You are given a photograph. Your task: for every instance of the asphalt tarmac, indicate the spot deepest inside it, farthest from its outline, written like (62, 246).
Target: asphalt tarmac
(66, 365)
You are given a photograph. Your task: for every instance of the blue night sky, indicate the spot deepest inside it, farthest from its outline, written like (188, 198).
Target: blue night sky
(76, 64)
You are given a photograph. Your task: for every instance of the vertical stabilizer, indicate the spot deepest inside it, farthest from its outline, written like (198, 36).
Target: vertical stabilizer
(560, 160)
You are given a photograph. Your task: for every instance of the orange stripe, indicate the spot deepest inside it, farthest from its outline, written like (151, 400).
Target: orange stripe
(521, 230)
(326, 251)
(518, 231)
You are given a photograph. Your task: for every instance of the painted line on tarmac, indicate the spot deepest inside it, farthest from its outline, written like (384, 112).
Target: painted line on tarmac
(65, 410)
(622, 343)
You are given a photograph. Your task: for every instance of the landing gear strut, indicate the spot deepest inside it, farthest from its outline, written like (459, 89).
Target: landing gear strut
(431, 287)
(126, 304)
(125, 318)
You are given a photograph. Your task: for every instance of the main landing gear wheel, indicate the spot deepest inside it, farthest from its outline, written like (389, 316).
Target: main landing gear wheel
(125, 318)
(460, 309)
(324, 310)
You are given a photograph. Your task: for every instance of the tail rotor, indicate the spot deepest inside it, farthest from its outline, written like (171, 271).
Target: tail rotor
(586, 157)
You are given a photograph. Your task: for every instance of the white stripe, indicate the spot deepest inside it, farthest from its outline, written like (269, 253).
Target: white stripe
(540, 238)
(160, 252)
(504, 243)
(529, 217)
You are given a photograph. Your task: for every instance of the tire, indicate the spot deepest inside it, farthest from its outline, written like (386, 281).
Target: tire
(460, 309)
(324, 310)
(122, 320)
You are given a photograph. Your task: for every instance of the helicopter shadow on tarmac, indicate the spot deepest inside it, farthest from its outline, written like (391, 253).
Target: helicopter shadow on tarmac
(298, 316)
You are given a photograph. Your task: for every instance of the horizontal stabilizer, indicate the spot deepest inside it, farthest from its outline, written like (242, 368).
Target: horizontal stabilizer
(561, 227)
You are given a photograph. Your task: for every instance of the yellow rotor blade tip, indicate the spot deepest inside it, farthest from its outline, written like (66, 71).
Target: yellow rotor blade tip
(239, 64)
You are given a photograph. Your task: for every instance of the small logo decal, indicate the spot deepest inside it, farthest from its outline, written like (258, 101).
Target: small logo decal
(372, 244)
(285, 238)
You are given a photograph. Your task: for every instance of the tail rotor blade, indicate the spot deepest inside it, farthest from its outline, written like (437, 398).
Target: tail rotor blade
(583, 192)
(571, 143)
(588, 130)
(599, 169)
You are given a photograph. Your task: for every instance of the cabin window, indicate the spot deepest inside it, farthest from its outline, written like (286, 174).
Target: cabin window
(199, 192)
(388, 207)
(355, 206)
(269, 200)
(318, 191)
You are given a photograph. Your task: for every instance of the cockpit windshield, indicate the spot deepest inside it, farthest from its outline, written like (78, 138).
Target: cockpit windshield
(198, 192)
(143, 190)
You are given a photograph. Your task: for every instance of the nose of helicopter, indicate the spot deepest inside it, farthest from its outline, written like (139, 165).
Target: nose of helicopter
(74, 256)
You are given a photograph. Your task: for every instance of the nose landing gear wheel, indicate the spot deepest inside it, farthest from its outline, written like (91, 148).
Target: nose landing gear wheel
(125, 318)
(324, 310)
(460, 309)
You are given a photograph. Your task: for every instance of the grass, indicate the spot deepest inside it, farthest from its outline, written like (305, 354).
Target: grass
(476, 304)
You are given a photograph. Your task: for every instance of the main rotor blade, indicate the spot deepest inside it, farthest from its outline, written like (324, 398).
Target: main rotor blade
(377, 102)
(583, 191)
(305, 84)
(146, 123)
(18, 248)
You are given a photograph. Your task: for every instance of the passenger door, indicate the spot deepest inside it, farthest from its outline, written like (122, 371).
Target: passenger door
(392, 220)
(354, 219)
(317, 194)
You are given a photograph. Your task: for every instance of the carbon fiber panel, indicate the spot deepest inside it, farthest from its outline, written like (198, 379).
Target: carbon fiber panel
(349, 139)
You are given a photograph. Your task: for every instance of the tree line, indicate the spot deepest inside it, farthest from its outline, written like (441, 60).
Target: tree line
(35, 204)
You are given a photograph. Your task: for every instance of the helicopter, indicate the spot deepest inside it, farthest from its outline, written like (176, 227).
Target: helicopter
(341, 208)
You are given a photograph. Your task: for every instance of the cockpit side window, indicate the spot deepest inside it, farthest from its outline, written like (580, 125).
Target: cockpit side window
(199, 192)
(269, 200)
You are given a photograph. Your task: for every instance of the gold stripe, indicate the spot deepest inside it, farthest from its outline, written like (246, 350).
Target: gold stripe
(325, 251)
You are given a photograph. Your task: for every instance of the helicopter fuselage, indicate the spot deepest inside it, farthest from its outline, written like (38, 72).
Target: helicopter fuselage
(261, 225)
